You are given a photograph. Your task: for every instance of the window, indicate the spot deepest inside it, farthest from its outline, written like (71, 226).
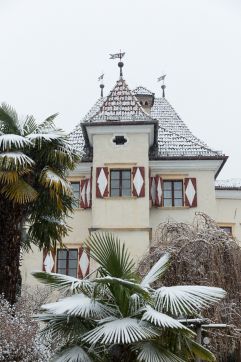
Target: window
(120, 183)
(76, 192)
(172, 193)
(67, 261)
(227, 229)
(119, 140)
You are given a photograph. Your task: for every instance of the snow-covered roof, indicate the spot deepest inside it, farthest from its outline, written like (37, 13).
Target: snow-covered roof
(229, 184)
(120, 105)
(174, 137)
(142, 91)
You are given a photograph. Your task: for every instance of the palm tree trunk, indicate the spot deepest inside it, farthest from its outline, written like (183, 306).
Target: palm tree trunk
(11, 216)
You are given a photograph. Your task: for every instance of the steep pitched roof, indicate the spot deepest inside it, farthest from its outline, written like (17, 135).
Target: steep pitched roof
(142, 91)
(120, 105)
(174, 137)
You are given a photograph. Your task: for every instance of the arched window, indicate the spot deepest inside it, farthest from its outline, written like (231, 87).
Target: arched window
(146, 103)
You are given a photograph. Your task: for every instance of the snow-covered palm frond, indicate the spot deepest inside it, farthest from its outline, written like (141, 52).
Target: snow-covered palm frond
(13, 141)
(28, 125)
(20, 192)
(124, 331)
(162, 320)
(135, 303)
(80, 305)
(47, 124)
(135, 287)
(15, 160)
(150, 353)
(48, 137)
(156, 271)
(73, 354)
(187, 299)
(63, 282)
(51, 179)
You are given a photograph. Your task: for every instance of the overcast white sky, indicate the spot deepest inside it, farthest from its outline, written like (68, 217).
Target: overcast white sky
(52, 52)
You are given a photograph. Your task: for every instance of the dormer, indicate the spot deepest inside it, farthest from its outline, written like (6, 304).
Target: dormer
(145, 98)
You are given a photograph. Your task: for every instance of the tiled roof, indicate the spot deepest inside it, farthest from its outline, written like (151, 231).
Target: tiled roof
(230, 184)
(174, 138)
(142, 91)
(120, 105)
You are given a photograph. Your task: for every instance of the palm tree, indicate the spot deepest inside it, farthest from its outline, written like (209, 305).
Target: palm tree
(33, 161)
(114, 316)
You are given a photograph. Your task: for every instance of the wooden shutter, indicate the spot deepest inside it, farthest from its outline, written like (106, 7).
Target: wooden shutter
(88, 193)
(159, 191)
(153, 190)
(102, 174)
(83, 185)
(190, 192)
(49, 260)
(83, 262)
(138, 187)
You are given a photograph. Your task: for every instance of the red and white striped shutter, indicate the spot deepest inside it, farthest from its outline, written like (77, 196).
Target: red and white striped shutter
(153, 190)
(138, 188)
(84, 262)
(190, 192)
(83, 194)
(88, 193)
(159, 191)
(49, 260)
(102, 182)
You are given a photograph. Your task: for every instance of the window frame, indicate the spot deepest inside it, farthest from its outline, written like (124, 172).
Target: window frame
(227, 227)
(173, 193)
(120, 188)
(77, 204)
(67, 261)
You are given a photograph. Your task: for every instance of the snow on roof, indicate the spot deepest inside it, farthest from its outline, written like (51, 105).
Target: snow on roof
(174, 137)
(142, 91)
(229, 184)
(120, 105)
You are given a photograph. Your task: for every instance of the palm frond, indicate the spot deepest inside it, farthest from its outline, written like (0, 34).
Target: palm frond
(72, 354)
(80, 305)
(13, 141)
(113, 257)
(162, 320)
(134, 287)
(47, 137)
(9, 122)
(29, 125)
(50, 179)
(63, 282)
(187, 299)
(8, 177)
(20, 192)
(157, 270)
(47, 124)
(124, 331)
(15, 161)
(148, 352)
(200, 351)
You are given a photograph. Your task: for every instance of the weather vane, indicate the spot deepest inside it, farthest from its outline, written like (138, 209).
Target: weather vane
(162, 78)
(119, 55)
(100, 79)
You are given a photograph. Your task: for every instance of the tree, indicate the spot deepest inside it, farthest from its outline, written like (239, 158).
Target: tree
(202, 253)
(114, 316)
(33, 188)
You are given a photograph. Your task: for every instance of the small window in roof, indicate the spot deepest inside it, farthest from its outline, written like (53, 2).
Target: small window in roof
(146, 103)
(119, 140)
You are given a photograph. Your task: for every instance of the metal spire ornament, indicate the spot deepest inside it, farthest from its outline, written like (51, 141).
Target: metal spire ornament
(100, 79)
(163, 87)
(119, 55)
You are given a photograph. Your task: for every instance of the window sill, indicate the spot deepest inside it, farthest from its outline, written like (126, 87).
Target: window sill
(173, 207)
(120, 197)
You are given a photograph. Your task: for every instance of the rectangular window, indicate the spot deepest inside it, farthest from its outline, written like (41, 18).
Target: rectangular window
(227, 229)
(76, 192)
(120, 183)
(172, 193)
(67, 261)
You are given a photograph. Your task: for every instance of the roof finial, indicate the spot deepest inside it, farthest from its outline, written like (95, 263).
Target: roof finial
(163, 87)
(101, 77)
(119, 55)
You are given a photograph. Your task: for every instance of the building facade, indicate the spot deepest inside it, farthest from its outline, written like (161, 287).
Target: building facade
(140, 166)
